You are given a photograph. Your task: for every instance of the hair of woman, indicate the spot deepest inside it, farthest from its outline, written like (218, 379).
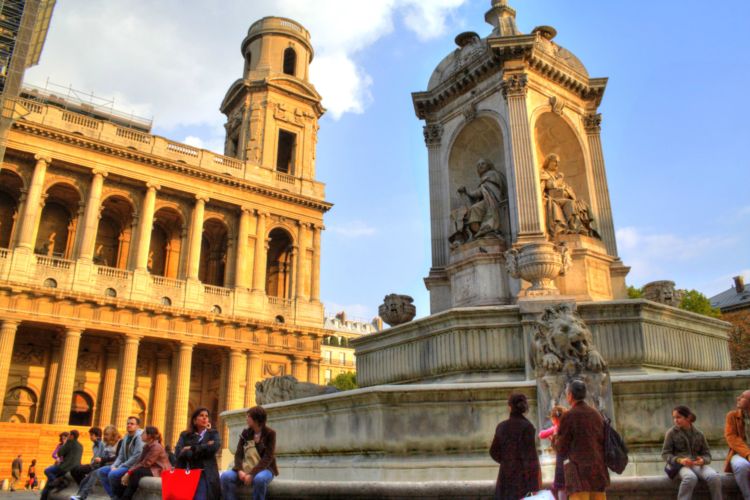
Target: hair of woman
(258, 414)
(111, 435)
(153, 432)
(685, 412)
(556, 412)
(518, 403)
(195, 414)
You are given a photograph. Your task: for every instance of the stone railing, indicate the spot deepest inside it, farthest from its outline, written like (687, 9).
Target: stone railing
(218, 291)
(167, 282)
(279, 301)
(113, 272)
(53, 262)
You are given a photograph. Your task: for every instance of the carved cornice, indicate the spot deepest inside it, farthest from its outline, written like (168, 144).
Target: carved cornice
(181, 168)
(433, 134)
(515, 85)
(592, 122)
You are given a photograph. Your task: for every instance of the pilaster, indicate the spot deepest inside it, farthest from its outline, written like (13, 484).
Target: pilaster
(145, 226)
(7, 340)
(315, 264)
(298, 368)
(109, 385)
(439, 210)
(241, 275)
(159, 403)
(196, 233)
(66, 377)
(254, 367)
(259, 260)
(592, 124)
(32, 208)
(182, 390)
(91, 216)
(313, 370)
(235, 398)
(301, 254)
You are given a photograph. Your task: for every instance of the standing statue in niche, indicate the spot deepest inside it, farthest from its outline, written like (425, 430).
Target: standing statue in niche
(482, 215)
(566, 213)
(49, 247)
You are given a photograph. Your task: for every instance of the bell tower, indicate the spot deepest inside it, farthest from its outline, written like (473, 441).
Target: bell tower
(273, 110)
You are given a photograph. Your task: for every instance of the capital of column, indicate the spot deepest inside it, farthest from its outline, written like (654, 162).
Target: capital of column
(244, 209)
(71, 331)
(9, 324)
(261, 213)
(592, 122)
(100, 172)
(201, 198)
(42, 158)
(151, 186)
(515, 85)
(132, 339)
(433, 134)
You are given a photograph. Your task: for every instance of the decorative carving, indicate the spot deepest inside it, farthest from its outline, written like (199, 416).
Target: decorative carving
(563, 350)
(482, 215)
(539, 264)
(663, 292)
(433, 133)
(273, 370)
(143, 367)
(558, 105)
(566, 213)
(88, 361)
(470, 111)
(28, 354)
(286, 388)
(515, 85)
(592, 122)
(397, 309)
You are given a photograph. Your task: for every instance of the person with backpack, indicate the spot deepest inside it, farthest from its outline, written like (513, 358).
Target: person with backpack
(687, 455)
(580, 441)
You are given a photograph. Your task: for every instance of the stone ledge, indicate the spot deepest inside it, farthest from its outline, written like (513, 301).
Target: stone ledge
(622, 488)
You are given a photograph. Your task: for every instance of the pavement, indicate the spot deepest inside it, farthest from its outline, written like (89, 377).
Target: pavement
(20, 495)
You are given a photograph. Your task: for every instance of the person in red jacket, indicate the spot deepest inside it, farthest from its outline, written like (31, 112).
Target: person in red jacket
(736, 430)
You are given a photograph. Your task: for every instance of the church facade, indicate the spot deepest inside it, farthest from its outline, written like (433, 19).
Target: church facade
(143, 276)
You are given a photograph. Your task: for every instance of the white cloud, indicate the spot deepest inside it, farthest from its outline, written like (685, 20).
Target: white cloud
(174, 60)
(191, 140)
(352, 229)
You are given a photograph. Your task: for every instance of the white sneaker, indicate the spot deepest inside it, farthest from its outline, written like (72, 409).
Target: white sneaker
(75, 497)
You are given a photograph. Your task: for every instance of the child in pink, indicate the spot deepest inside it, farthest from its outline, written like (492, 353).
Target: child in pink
(558, 485)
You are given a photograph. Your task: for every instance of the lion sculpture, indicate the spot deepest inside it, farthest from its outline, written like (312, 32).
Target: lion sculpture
(286, 388)
(562, 350)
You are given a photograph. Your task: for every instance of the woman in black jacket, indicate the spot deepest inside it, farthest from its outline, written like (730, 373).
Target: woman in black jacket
(197, 449)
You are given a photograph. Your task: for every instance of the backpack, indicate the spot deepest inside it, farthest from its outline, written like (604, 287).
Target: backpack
(615, 451)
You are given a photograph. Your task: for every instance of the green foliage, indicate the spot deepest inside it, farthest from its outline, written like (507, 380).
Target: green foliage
(635, 293)
(695, 301)
(344, 381)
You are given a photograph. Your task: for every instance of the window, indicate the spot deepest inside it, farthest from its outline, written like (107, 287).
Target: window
(342, 357)
(110, 292)
(50, 283)
(290, 61)
(327, 356)
(286, 152)
(327, 376)
(166, 301)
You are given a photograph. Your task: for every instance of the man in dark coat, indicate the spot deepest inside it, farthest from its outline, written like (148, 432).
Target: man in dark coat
(70, 453)
(16, 470)
(580, 441)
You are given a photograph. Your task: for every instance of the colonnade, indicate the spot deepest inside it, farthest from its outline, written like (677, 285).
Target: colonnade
(244, 276)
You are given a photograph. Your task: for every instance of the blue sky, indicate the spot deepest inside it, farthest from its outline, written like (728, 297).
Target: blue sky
(675, 129)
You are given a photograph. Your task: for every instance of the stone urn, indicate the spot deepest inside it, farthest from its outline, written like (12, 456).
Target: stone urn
(539, 264)
(397, 309)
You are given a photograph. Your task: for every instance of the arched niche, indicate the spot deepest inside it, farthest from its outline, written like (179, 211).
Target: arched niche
(214, 247)
(10, 194)
(166, 243)
(554, 135)
(20, 405)
(81, 409)
(279, 264)
(114, 233)
(58, 222)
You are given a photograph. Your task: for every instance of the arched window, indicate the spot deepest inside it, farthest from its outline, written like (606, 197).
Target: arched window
(82, 409)
(290, 61)
(279, 264)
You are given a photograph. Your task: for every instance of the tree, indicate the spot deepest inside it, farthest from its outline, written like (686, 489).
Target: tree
(344, 381)
(695, 301)
(635, 293)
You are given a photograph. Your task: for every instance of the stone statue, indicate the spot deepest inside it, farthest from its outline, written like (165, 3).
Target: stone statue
(663, 292)
(566, 213)
(286, 388)
(397, 309)
(483, 215)
(49, 247)
(563, 350)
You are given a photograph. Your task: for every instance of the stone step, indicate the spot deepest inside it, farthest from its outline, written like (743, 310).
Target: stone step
(622, 488)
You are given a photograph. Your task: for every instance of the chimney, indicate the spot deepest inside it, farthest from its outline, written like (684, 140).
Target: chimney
(739, 284)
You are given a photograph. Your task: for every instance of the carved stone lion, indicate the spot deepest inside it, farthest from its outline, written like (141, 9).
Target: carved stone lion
(562, 350)
(286, 388)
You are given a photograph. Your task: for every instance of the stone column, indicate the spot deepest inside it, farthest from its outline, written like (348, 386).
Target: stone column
(254, 375)
(66, 377)
(313, 371)
(7, 339)
(240, 273)
(235, 398)
(126, 386)
(33, 207)
(298, 368)
(439, 196)
(159, 403)
(51, 381)
(109, 384)
(182, 390)
(91, 216)
(145, 226)
(259, 261)
(315, 264)
(527, 209)
(196, 234)
(592, 124)
(301, 254)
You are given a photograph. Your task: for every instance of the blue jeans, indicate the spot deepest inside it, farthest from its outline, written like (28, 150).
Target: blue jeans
(230, 480)
(109, 476)
(53, 472)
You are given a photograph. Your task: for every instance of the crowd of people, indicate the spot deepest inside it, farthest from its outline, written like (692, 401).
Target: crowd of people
(120, 462)
(578, 438)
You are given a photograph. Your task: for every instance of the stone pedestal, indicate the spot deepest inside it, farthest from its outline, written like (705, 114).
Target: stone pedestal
(477, 274)
(590, 274)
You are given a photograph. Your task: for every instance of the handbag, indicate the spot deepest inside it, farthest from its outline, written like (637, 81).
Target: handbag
(540, 495)
(251, 458)
(179, 484)
(672, 469)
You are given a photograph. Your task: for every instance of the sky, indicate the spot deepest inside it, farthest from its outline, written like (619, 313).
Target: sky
(675, 128)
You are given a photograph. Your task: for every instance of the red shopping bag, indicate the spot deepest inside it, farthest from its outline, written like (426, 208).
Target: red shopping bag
(179, 484)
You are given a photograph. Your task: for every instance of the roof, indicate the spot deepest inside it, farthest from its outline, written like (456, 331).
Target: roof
(731, 299)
